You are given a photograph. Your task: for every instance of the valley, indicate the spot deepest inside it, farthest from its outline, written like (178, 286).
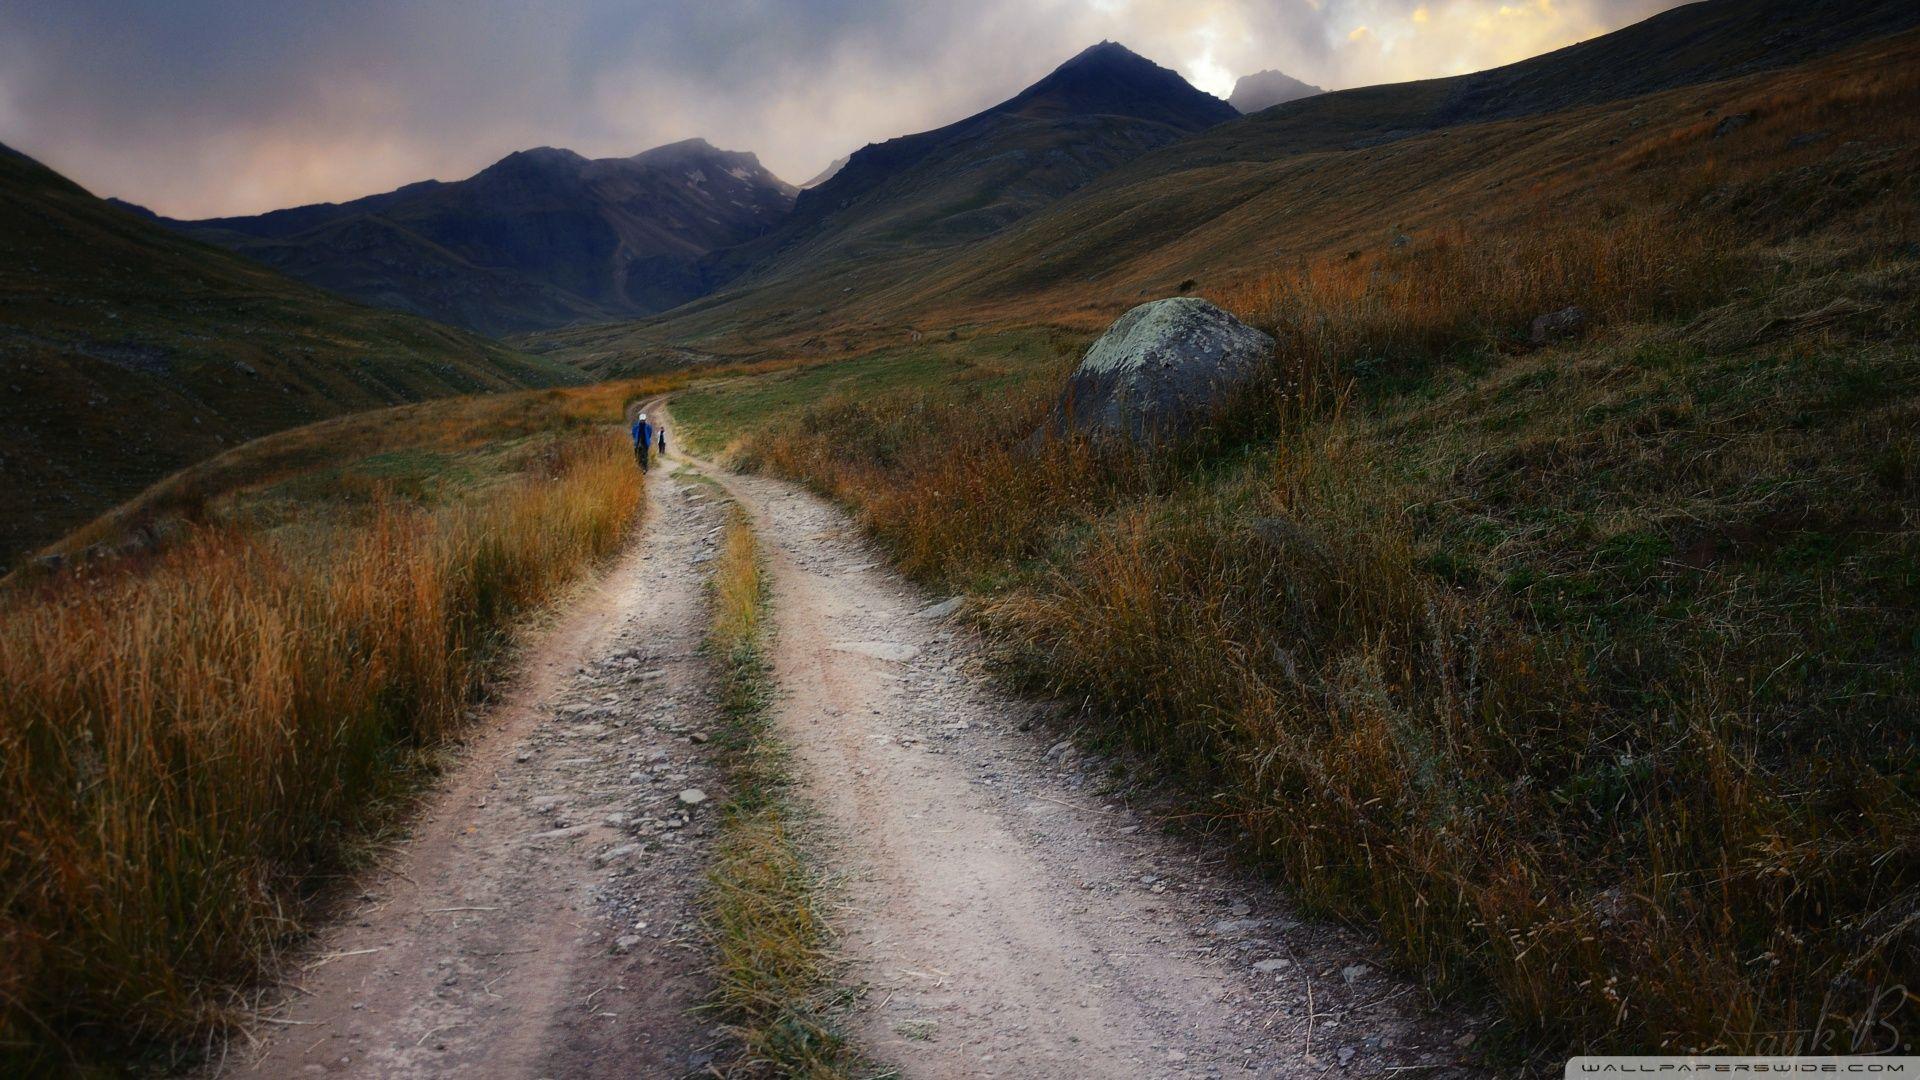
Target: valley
(1414, 577)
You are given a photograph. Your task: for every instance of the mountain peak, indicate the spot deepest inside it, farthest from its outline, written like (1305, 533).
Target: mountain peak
(1106, 52)
(540, 160)
(1109, 78)
(1265, 89)
(546, 155)
(685, 148)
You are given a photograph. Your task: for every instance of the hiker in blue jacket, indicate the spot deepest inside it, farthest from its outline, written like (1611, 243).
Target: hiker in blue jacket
(642, 439)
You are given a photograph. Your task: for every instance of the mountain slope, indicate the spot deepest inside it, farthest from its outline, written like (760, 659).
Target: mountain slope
(971, 178)
(1339, 171)
(127, 351)
(1265, 89)
(1695, 43)
(541, 238)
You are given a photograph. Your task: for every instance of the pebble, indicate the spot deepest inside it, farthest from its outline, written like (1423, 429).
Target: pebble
(892, 651)
(693, 796)
(942, 609)
(615, 854)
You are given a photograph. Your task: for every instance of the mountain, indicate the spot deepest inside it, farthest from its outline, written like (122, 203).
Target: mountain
(1265, 89)
(541, 238)
(1103, 107)
(1687, 45)
(955, 185)
(128, 351)
(827, 173)
(1330, 172)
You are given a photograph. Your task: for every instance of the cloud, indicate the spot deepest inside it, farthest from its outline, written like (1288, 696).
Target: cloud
(201, 107)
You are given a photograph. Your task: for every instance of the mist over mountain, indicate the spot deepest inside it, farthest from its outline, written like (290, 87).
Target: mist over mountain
(827, 173)
(1265, 89)
(541, 238)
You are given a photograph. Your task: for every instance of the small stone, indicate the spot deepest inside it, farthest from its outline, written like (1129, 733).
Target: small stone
(697, 737)
(558, 834)
(1268, 967)
(1554, 325)
(1354, 973)
(1465, 1041)
(891, 651)
(942, 609)
(693, 796)
(625, 943)
(615, 854)
(1346, 1054)
(1242, 909)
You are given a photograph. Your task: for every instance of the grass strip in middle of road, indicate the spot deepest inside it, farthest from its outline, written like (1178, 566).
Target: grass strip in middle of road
(775, 979)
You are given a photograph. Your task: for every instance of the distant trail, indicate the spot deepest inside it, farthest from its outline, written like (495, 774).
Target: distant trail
(523, 930)
(1008, 919)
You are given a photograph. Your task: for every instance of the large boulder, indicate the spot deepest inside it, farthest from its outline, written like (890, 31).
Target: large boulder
(1161, 369)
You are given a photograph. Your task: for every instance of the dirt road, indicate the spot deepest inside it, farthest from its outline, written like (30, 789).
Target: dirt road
(1008, 917)
(1010, 910)
(539, 921)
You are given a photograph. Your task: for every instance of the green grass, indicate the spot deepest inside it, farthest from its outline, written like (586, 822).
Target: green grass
(717, 413)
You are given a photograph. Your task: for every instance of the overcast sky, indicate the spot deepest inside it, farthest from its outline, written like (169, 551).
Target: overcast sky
(204, 107)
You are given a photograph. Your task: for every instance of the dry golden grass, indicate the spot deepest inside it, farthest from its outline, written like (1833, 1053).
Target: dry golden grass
(775, 986)
(187, 739)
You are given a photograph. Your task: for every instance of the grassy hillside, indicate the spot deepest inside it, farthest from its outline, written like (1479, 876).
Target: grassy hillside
(1585, 673)
(127, 352)
(1337, 173)
(194, 737)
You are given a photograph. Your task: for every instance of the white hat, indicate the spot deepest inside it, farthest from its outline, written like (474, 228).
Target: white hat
(642, 416)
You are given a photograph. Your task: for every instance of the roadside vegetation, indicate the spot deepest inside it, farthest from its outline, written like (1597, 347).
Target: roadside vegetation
(200, 728)
(1585, 672)
(776, 987)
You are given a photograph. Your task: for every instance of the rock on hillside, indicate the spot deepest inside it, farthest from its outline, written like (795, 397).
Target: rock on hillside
(1265, 89)
(1161, 369)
